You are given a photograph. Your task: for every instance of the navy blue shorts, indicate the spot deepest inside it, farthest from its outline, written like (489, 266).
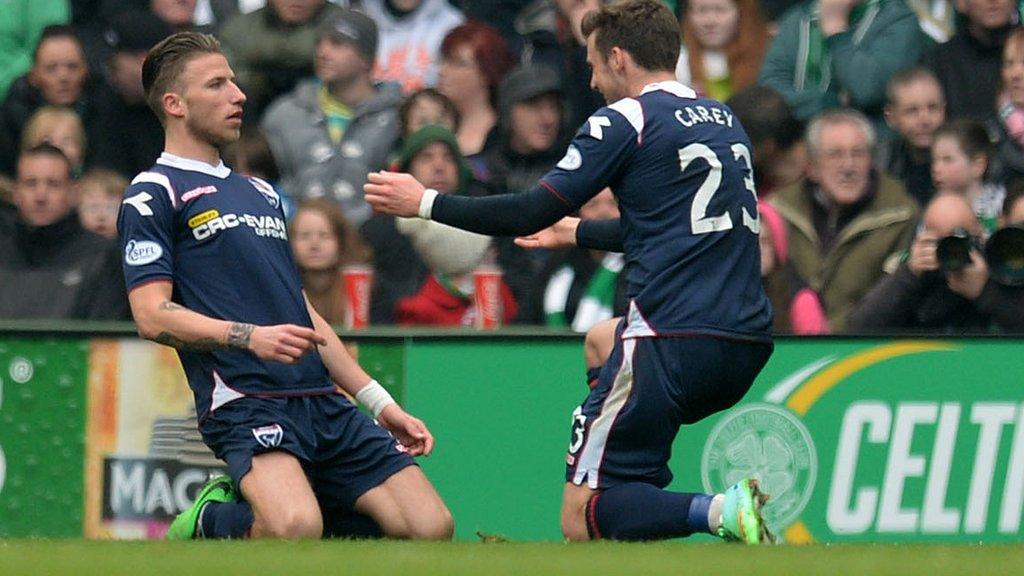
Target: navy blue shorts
(343, 451)
(648, 388)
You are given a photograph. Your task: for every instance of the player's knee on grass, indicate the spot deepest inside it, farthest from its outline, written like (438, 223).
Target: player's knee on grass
(439, 525)
(291, 524)
(574, 513)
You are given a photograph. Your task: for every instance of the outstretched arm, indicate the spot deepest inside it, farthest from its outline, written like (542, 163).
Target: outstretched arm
(161, 320)
(500, 215)
(594, 234)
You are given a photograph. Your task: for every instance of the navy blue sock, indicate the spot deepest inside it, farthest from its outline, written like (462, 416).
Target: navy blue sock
(592, 374)
(225, 520)
(638, 511)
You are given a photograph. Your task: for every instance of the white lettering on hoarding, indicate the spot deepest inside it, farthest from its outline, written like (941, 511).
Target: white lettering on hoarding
(126, 486)
(842, 518)
(935, 517)
(1013, 492)
(991, 418)
(855, 504)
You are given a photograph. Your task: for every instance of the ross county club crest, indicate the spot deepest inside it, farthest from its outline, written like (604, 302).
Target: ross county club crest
(267, 191)
(269, 436)
(770, 444)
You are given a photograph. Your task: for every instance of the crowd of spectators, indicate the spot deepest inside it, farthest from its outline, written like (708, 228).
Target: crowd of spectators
(879, 129)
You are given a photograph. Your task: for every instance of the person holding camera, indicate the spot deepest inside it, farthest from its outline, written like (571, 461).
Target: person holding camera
(944, 285)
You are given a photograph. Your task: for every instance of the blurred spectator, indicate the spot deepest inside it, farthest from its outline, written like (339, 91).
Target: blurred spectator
(59, 77)
(60, 127)
(1013, 204)
(474, 61)
(914, 110)
(51, 267)
(533, 137)
(273, 48)
(21, 23)
(832, 53)
(724, 42)
(937, 18)
(961, 153)
(178, 14)
(967, 66)
(99, 197)
(580, 287)
(251, 155)
(411, 32)
(427, 106)
(446, 296)
(1008, 126)
(924, 295)
(323, 242)
(797, 308)
(780, 156)
(846, 219)
(329, 132)
(131, 137)
(398, 269)
(583, 100)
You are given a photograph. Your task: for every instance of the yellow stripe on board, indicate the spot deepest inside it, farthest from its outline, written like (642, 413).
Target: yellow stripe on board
(805, 396)
(797, 533)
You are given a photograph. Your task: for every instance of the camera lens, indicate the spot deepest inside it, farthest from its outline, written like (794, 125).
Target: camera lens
(954, 252)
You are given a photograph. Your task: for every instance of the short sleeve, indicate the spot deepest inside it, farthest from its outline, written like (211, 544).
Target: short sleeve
(145, 226)
(594, 159)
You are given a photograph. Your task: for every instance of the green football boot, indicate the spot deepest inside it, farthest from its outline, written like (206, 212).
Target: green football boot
(741, 514)
(217, 489)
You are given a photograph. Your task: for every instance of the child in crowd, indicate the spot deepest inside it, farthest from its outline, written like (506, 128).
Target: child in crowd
(323, 242)
(99, 198)
(427, 106)
(961, 152)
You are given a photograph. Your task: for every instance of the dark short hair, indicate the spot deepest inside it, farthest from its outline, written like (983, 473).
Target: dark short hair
(766, 115)
(909, 76)
(47, 149)
(167, 59)
(970, 135)
(429, 94)
(252, 145)
(57, 31)
(646, 29)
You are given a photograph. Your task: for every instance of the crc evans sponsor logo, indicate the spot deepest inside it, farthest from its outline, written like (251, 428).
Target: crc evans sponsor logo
(150, 488)
(208, 223)
(138, 253)
(197, 192)
(906, 461)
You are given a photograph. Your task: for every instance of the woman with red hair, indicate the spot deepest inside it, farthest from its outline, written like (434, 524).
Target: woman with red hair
(474, 61)
(724, 42)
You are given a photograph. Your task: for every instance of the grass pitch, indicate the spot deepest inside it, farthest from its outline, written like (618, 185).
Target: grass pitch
(83, 558)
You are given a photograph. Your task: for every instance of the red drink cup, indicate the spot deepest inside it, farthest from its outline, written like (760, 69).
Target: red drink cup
(487, 297)
(357, 281)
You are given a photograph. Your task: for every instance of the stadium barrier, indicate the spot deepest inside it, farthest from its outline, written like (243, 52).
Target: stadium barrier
(856, 439)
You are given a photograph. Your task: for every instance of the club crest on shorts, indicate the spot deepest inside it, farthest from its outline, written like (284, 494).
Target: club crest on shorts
(269, 436)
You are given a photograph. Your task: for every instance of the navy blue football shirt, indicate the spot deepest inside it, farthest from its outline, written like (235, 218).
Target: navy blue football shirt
(220, 238)
(680, 167)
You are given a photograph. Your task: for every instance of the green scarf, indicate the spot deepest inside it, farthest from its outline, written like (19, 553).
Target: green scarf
(598, 301)
(816, 65)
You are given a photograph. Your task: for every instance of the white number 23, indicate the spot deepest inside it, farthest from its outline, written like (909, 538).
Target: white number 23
(700, 222)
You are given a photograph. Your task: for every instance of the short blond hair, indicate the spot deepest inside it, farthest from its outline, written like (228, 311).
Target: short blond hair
(164, 63)
(110, 183)
(42, 122)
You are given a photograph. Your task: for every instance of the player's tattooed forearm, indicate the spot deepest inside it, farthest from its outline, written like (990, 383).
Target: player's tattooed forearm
(168, 305)
(239, 333)
(202, 344)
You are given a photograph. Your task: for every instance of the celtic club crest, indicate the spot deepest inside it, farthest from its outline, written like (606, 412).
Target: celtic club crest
(770, 444)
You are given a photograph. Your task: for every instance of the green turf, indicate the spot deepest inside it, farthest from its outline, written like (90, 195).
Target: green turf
(82, 558)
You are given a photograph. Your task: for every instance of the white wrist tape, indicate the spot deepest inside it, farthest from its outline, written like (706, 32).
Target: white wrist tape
(374, 397)
(427, 203)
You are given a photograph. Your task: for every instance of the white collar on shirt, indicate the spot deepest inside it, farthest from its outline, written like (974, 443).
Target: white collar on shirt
(218, 171)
